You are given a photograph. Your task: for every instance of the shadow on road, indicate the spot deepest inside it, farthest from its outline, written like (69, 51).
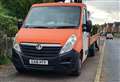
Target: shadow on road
(45, 74)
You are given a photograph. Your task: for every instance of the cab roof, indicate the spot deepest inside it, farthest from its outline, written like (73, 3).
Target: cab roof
(58, 4)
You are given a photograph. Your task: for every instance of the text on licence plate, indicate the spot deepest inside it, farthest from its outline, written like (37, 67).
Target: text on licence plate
(39, 62)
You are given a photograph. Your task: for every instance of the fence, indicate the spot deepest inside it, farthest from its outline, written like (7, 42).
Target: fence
(5, 48)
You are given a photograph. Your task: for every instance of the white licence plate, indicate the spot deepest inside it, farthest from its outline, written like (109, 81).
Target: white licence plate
(39, 62)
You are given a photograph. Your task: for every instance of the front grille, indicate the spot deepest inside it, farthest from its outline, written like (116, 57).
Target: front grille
(46, 51)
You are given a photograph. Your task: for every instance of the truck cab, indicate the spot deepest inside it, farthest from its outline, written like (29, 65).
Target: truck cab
(53, 37)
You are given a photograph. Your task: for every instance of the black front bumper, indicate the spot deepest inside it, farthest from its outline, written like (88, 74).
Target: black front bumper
(66, 62)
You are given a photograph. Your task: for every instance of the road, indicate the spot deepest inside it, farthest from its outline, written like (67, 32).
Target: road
(110, 69)
(9, 74)
(111, 61)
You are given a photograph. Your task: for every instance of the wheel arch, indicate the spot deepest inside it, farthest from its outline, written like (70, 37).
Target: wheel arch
(81, 54)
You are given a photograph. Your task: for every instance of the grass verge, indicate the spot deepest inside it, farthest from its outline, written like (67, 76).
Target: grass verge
(4, 60)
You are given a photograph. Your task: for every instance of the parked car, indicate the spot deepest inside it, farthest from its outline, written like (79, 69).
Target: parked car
(109, 36)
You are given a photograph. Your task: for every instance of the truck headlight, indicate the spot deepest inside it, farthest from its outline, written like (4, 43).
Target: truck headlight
(69, 44)
(16, 45)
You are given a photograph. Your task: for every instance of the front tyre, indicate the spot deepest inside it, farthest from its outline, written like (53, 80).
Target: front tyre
(18, 64)
(20, 70)
(77, 70)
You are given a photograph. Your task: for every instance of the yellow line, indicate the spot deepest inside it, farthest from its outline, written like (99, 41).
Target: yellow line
(99, 68)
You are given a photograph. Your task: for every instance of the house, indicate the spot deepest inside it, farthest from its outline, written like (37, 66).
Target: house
(109, 27)
(116, 27)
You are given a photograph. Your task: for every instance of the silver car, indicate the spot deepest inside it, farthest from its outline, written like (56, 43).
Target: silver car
(109, 36)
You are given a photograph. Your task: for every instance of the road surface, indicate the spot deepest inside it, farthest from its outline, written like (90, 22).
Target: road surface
(9, 74)
(89, 69)
(111, 61)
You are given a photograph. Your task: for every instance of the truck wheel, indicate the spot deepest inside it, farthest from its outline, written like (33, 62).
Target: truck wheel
(97, 45)
(19, 67)
(17, 63)
(20, 70)
(91, 51)
(77, 70)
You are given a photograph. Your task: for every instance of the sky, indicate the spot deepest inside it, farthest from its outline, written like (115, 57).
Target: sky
(104, 10)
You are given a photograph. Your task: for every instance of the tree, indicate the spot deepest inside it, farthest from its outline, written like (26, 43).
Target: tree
(2, 10)
(8, 26)
(19, 8)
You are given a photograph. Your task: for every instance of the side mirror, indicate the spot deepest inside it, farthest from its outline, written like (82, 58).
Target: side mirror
(87, 27)
(101, 33)
(84, 26)
(19, 24)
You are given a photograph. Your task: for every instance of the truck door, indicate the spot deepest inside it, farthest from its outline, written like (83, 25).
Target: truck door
(85, 35)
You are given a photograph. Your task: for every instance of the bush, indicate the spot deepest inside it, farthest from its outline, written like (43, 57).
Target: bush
(8, 25)
(94, 29)
(20, 8)
(4, 60)
(7, 29)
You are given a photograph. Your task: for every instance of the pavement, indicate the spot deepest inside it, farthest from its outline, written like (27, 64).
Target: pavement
(111, 61)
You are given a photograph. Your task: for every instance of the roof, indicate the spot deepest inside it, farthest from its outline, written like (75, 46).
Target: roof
(110, 24)
(117, 24)
(59, 4)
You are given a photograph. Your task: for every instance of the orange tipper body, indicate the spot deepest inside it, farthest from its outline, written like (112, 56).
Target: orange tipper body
(53, 48)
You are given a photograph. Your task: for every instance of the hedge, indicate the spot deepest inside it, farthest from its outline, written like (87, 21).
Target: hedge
(8, 25)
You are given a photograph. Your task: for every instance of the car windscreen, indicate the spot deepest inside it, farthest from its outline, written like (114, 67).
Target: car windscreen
(53, 17)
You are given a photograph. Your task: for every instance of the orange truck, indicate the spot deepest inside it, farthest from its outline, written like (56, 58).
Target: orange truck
(53, 37)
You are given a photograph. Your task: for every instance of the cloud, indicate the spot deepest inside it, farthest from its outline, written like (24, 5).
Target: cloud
(105, 10)
(97, 15)
(107, 5)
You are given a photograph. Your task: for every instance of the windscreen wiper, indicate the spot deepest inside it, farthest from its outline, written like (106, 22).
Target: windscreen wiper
(59, 27)
(50, 27)
(31, 26)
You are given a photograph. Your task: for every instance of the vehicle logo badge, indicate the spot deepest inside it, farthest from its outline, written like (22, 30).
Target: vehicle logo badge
(38, 47)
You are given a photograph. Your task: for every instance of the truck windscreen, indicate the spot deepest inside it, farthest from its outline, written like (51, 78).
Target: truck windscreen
(51, 17)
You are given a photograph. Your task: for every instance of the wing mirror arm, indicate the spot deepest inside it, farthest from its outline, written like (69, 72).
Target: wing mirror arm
(84, 26)
(19, 24)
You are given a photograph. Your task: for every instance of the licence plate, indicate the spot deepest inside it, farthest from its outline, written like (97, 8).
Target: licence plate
(39, 62)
